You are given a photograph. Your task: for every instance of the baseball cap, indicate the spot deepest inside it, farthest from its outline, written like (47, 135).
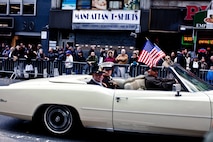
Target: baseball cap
(68, 52)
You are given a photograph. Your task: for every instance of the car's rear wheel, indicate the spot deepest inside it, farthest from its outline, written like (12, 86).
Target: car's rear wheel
(58, 120)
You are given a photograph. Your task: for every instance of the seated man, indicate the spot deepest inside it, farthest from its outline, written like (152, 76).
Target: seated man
(153, 82)
(108, 69)
(97, 76)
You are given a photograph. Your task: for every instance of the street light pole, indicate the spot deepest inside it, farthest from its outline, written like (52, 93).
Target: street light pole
(194, 38)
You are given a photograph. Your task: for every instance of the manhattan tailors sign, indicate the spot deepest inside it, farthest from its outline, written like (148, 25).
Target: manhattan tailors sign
(204, 19)
(99, 16)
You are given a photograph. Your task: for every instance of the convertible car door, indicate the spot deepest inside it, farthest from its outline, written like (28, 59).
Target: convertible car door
(161, 111)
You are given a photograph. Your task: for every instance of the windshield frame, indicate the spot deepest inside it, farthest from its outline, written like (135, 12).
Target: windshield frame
(190, 80)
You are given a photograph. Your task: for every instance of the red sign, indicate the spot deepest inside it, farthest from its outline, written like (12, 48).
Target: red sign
(191, 10)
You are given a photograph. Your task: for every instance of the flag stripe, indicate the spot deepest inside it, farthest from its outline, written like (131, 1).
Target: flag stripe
(151, 54)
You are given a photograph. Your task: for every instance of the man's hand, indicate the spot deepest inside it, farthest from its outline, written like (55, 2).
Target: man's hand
(113, 83)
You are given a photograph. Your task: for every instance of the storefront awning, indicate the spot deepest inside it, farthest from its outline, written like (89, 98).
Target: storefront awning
(102, 26)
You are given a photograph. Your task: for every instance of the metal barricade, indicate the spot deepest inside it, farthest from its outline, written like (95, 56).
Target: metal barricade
(79, 67)
(7, 66)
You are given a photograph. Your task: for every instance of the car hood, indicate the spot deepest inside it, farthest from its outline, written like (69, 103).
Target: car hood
(75, 79)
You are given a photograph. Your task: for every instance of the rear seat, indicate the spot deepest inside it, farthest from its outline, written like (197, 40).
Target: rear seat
(133, 83)
(137, 83)
(119, 81)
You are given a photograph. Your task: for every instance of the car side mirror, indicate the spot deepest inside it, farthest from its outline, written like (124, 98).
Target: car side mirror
(176, 88)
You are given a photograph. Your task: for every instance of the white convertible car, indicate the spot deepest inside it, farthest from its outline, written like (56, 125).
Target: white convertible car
(64, 103)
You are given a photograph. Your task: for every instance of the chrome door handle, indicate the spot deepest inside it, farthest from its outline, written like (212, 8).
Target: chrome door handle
(119, 98)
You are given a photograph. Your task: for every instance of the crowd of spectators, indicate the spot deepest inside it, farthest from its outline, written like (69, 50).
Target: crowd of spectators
(196, 62)
(202, 59)
(90, 57)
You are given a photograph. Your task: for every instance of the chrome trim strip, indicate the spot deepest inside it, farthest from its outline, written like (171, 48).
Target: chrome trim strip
(96, 109)
(148, 113)
(165, 114)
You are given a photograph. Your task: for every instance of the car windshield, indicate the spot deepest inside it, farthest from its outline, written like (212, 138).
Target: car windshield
(189, 78)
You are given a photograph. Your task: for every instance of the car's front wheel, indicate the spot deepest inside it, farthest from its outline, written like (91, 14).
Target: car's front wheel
(58, 120)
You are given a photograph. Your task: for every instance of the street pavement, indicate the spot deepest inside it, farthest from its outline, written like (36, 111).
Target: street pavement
(5, 138)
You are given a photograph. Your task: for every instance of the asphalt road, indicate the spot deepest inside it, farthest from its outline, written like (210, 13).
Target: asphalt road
(15, 130)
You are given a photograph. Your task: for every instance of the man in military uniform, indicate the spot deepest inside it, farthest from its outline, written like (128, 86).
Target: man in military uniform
(97, 76)
(108, 80)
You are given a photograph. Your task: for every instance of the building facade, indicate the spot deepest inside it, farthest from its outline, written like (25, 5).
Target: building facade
(103, 23)
(23, 21)
(125, 23)
(171, 24)
(98, 23)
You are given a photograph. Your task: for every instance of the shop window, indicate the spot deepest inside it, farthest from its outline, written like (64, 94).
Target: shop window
(187, 40)
(15, 9)
(3, 8)
(55, 4)
(115, 5)
(132, 4)
(164, 19)
(18, 7)
(106, 4)
(99, 4)
(68, 4)
(28, 7)
(6, 22)
(84, 4)
(205, 41)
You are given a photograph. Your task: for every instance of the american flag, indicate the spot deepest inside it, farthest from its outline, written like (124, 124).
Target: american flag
(151, 54)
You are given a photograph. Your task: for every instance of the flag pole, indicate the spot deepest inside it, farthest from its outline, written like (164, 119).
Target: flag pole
(146, 38)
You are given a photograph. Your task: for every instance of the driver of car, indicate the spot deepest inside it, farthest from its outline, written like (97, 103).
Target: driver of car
(153, 82)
